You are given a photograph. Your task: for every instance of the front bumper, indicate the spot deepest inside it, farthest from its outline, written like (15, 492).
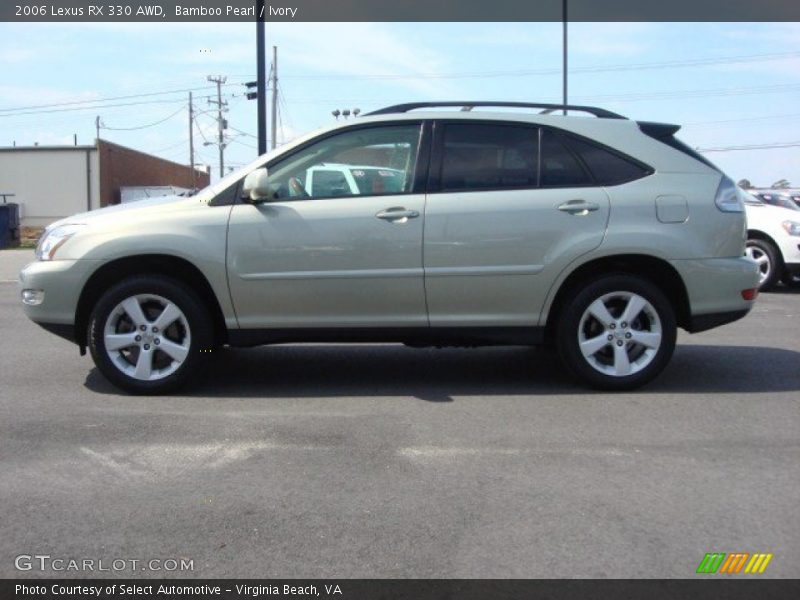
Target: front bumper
(62, 282)
(714, 287)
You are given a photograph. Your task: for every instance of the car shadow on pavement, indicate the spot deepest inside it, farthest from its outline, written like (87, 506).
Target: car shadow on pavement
(784, 290)
(327, 371)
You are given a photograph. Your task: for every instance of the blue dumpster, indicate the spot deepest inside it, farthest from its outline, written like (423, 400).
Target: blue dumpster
(9, 224)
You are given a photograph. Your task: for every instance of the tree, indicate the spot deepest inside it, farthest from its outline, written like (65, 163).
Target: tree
(781, 184)
(745, 184)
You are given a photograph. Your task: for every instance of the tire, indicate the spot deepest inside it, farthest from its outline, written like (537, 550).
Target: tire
(765, 254)
(641, 343)
(790, 280)
(163, 356)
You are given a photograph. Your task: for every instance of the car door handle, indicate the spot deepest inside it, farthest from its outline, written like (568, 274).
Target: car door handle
(578, 207)
(397, 214)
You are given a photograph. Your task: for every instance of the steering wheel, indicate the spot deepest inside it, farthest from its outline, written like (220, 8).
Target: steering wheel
(296, 189)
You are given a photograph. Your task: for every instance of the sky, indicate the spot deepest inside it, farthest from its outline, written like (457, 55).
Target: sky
(728, 84)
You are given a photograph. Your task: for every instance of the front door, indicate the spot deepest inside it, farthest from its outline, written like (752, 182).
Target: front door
(341, 243)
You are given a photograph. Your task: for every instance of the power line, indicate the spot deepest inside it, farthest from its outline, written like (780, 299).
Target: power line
(238, 141)
(768, 146)
(282, 101)
(59, 110)
(703, 93)
(764, 118)
(109, 98)
(475, 74)
(248, 134)
(552, 71)
(171, 146)
(167, 118)
(624, 97)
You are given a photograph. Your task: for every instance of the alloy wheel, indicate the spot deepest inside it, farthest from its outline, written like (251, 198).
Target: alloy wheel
(620, 333)
(147, 337)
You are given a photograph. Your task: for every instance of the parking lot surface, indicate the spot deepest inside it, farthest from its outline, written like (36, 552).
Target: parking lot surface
(384, 461)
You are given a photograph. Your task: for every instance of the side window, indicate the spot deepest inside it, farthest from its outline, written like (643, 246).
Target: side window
(327, 183)
(608, 168)
(559, 166)
(479, 156)
(363, 161)
(227, 196)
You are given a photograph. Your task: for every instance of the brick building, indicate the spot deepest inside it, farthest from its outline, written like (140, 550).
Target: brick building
(52, 182)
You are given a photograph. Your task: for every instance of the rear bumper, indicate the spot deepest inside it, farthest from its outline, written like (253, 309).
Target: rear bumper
(698, 323)
(714, 287)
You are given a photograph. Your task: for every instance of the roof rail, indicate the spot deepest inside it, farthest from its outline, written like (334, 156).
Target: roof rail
(547, 108)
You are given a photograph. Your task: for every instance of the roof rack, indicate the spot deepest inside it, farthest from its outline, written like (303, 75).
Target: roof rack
(600, 113)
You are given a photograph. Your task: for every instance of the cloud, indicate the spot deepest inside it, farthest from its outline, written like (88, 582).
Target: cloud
(774, 34)
(611, 39)
(597, 39)
(356, 49)
(14, 55)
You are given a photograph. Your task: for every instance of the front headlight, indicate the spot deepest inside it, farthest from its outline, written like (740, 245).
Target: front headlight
(791, 227)
(53, 239)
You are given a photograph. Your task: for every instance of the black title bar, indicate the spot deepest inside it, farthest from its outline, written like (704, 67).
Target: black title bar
(402, 589)
(397, 11)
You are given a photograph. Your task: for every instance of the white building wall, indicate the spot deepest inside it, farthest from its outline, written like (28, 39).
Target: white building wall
(50, 183)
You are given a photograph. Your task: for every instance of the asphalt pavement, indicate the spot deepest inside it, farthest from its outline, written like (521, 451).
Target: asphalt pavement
(383, 461)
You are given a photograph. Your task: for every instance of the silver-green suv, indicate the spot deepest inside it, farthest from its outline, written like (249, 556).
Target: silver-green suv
(598, 235)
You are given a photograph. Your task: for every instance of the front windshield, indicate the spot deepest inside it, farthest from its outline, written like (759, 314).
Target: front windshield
(750, 199)
(778, 199)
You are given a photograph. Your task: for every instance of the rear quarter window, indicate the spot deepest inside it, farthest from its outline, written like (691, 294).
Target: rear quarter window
(607, 166)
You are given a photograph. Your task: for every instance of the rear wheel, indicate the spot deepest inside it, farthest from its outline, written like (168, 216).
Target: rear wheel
(765, 256)
(617, 333)
(146, 334)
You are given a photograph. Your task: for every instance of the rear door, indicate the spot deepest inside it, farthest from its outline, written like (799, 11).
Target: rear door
(509, 206)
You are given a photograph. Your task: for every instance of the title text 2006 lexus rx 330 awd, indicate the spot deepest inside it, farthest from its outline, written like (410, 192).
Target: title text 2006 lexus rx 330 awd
(597, 235)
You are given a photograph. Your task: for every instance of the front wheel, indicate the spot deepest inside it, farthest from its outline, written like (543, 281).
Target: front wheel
(617, 333)
(147, 334)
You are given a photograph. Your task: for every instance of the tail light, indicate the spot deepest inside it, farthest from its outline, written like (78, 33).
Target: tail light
(729, 197)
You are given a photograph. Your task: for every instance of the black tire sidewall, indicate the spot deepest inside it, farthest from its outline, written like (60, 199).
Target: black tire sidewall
(569, 322)
(775, 266)
(174, 291)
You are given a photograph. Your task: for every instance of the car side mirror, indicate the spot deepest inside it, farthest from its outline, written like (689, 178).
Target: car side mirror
(256, 188)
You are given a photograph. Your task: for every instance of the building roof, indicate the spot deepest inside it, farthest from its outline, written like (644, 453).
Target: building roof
(83, 148)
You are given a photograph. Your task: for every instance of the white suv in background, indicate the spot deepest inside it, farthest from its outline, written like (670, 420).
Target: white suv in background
(773, 241)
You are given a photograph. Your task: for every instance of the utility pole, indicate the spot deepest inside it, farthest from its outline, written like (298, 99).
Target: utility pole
(274, 96)
(221, 123)
(191, 140)
(261, 82)
(564, 10)
(97, 128)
